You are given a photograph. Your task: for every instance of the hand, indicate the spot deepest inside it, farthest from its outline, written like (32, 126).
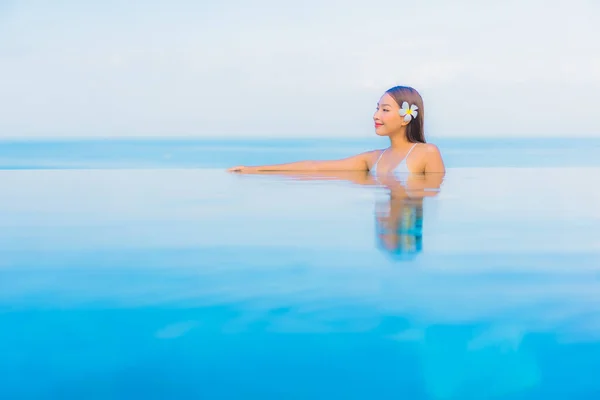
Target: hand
(240, 169)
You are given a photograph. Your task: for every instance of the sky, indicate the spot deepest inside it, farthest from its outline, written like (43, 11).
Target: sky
(316, 68)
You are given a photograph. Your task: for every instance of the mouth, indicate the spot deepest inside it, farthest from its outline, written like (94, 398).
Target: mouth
(377, 125)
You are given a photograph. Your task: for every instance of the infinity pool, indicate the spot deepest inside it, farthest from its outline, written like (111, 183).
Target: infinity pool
(143, 270)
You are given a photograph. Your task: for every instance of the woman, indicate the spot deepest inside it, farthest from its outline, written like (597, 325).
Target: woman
(399, 116)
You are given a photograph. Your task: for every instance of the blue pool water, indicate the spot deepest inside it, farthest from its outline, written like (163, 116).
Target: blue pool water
(140, 269)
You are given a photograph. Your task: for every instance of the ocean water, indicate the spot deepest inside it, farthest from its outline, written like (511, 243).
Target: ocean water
(141, 269)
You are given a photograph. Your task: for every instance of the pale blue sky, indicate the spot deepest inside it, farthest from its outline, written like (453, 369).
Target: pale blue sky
(289, 69)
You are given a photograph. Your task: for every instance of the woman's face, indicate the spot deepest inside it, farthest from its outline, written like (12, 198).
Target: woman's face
(387, 118)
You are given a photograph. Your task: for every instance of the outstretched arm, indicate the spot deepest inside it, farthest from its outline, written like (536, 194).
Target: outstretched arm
(353, 163)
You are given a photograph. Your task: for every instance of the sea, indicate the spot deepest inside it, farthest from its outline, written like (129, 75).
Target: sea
(142, 269)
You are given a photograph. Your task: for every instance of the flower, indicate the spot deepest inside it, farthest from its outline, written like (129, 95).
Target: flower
(408, 113)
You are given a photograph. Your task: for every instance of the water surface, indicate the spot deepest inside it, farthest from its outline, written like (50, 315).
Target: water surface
(128, 273)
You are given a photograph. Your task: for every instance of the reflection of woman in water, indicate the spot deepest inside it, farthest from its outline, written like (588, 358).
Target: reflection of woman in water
(399, 225)
(399, 116)
(399, 216)
(399, 219)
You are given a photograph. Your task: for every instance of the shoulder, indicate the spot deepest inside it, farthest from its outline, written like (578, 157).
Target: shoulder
(367, 155)
(375, 152)
(432, 158)
(430, 148)
(370, 157)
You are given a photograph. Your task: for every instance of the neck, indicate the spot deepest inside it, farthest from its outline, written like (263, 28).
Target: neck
(399, 141)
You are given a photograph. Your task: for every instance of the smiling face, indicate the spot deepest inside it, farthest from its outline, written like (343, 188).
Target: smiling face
(387, 118)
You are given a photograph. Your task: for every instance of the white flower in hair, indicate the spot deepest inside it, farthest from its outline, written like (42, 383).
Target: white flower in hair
(408, 112)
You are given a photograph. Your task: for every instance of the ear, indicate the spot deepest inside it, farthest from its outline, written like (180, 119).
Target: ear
(404, 123)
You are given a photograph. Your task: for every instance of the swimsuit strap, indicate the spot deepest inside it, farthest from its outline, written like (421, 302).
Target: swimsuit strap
(411, 149)
(378, 158)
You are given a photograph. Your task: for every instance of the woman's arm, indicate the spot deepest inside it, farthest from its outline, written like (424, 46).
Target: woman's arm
(358, 162)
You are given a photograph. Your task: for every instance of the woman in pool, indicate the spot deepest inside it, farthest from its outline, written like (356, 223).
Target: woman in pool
(399, 116)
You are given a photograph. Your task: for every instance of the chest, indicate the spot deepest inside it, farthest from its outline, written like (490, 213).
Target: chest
(394, 163)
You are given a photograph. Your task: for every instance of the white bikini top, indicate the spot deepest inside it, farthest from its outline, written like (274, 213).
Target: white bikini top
(401, 168)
